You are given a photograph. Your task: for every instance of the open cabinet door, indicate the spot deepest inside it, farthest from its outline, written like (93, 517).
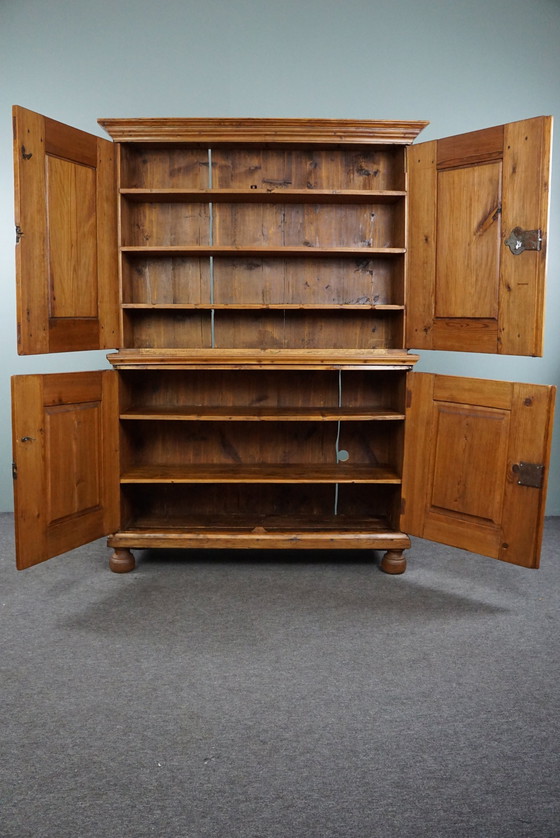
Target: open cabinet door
(65, 445)
(475, 464)
(66, 234)
(478, 217)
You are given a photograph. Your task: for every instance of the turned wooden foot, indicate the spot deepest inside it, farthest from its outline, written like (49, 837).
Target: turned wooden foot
(393, 562)
(122, 561)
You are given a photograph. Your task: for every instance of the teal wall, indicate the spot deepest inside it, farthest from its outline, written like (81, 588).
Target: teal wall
(461, 65)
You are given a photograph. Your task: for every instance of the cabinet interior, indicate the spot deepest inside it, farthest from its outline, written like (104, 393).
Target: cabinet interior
(261, 444)
(286, 247)
(264, 247)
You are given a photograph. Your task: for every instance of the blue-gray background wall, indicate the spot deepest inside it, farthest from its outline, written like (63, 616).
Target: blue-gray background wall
(462, 65)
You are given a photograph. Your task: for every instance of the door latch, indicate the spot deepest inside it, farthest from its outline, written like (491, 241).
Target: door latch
(529, 474)
(520, 240)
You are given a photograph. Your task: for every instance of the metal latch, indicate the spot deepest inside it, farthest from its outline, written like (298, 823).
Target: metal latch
(529, 474)
(520, 240)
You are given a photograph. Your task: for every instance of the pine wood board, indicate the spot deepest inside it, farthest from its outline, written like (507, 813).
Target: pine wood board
(263, 196)
(280, 473)
(253, 414)
(259, 250)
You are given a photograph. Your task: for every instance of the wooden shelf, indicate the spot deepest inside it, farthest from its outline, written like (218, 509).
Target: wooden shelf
(264, 196)
(261, 473)
(259, 250)
(262, 414)
(264, 306)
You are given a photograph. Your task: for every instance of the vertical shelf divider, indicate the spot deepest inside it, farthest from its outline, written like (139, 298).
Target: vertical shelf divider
(211, 258)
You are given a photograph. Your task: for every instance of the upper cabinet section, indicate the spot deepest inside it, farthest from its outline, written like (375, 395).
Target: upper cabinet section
(258, 234)
(66, 229)
(280, 234)
(477, 240)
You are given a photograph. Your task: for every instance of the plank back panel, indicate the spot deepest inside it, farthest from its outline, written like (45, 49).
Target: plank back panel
(163, 166)
(311, 225)
(165, 224)
(150, 329)
(349, 281)
(239, 388)
(152, 447)
(305, 329)
(271, 169)
(152, 280)
(250, 505)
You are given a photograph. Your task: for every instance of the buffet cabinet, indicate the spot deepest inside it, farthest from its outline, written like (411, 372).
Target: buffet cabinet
(260, 281)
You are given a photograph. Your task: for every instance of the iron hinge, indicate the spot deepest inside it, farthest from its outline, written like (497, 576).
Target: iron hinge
(529, 474)
(19, 233)
(14, 471)
(520, 240)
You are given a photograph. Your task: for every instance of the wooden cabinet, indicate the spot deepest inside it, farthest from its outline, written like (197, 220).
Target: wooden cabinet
(260, 280)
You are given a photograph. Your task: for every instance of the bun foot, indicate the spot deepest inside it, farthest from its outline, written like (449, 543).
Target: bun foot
(393, 562)
(122, 561)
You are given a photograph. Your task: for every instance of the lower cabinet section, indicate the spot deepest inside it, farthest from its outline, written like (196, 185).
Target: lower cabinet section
(261, 459)
(279, 458)
(336, 514)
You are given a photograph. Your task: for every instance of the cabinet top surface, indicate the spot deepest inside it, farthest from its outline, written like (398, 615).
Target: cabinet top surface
(264, 130)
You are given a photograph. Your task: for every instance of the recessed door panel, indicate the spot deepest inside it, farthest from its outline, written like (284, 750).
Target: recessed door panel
(468, 241)
(475, 464)
(72, 243)
(74, 429)
(65, 443)
(460, 490)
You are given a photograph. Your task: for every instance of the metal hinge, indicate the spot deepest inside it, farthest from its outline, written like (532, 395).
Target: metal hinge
(520, 240)
(14, 471)
(19, 233)
(529, 474)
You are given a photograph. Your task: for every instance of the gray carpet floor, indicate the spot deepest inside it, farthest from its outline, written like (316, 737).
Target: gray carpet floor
(277, 695)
